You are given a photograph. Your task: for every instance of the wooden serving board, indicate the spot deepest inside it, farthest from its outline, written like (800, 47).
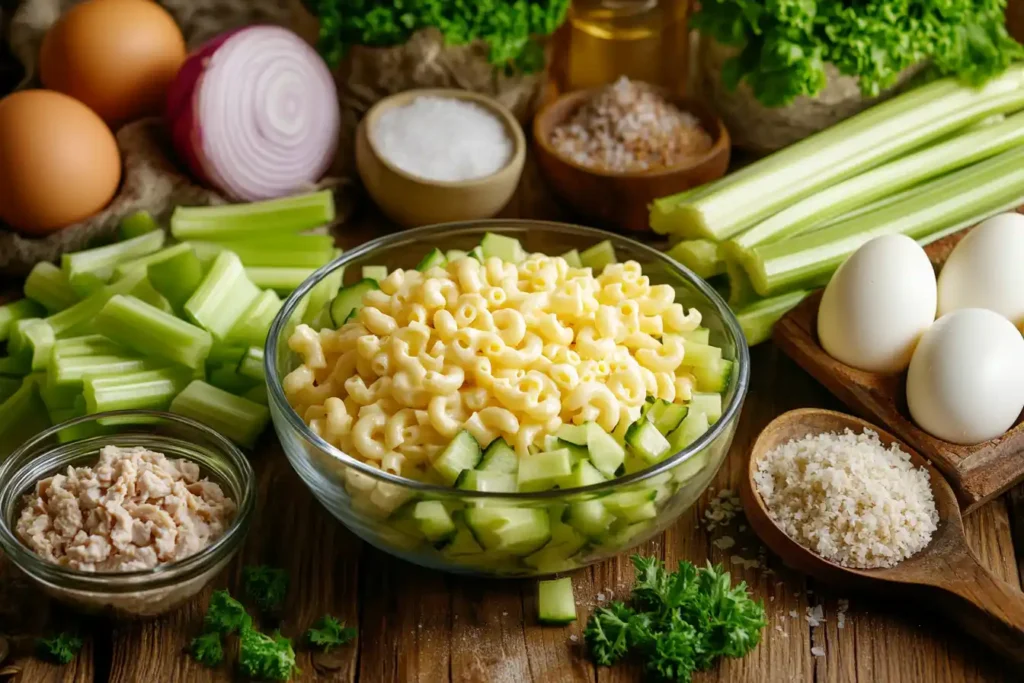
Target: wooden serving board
(977, 473)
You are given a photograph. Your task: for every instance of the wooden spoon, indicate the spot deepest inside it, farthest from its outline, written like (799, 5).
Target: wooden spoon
(945, 575)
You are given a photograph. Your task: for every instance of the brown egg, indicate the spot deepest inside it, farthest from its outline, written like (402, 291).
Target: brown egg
(59, 163)
(117, 56)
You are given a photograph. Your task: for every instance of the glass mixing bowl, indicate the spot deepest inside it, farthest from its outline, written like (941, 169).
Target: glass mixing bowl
(374, 504)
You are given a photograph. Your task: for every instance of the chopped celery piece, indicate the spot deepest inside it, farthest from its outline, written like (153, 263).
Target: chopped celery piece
(137, 224)
(71, 371)
(321, 296)
(251, 364)
(869, 139)
(39, 337)
(22, 416)
(239, 419)
(48, 285)
(572, 257)
(177, 277)
(703, 257)
(143, 262)
(87, 268)
(378, 273)
(955, 201)
(222, 297)
(18, 342)
(508, 249)
(88, 345)
(598, 256)
(57, 397)
(296, 251)
(886, 180)
(233, 221)
(13, 312)
(78, 319)
(8, 385)
(224, 354)
(281, 280)
(257, 394)
(252, 327)
(144, 291)
(228, 378)
(758, 319)
(146, 390)
(150, 331)
(15, 366)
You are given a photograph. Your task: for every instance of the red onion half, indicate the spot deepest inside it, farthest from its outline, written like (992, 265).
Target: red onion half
(254, 113)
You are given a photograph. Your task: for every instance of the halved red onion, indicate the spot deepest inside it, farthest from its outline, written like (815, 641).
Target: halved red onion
(254, 113)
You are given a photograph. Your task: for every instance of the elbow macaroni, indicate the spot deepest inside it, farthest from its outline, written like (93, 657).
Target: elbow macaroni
(501, 350)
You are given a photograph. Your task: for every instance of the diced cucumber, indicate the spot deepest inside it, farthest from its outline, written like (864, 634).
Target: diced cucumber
(708, 403)
(583, 474)
(598, 256)
(513, 530)
(477, 480)
(670, 417)
(572, 257)
(555, 602)
(577, 452)
(633, 506)
(701, 335)
(622, 537)
(508, 249)
(455, 255)
(499, 457)
(604, 451)
(463, 453)
(700, 355)
(435, 259)
(462, 543)
(433, 520)
(550, 442)
(377, 273)
(686, 471)
(477, 253)
(556, 557)
(689, 430)
(714, 377)
(576, 434)
(644, 440)
(350, 299)
(590, 517)
(543, 471)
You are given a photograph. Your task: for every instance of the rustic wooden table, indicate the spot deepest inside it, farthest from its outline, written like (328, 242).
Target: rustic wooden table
(419, 625)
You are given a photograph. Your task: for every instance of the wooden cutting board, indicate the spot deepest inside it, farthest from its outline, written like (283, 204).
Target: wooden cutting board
(976, 473)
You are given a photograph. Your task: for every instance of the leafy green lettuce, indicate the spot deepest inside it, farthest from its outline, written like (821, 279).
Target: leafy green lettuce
(785, 44)
(507, 26)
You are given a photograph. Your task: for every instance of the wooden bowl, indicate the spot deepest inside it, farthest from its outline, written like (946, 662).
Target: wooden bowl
(412, 201)
(621, 200)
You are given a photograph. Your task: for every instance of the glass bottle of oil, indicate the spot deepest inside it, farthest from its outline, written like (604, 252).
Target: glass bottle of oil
(645, 40)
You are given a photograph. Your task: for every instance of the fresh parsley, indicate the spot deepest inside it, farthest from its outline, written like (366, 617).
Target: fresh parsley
(264, 657)
(60, 649)
(678, 622)
(266, 587)
(785, 44)
(208, 649)
(329, 633)
(225, 615)
(506, 26)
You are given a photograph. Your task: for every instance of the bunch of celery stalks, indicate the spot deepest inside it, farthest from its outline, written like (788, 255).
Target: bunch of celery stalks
(144, 324)
(926, 163)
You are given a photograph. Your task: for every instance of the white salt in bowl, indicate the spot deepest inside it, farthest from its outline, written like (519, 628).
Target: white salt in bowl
(412, 200)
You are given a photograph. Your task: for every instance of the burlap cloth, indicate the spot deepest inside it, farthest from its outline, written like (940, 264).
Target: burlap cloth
(153, 182)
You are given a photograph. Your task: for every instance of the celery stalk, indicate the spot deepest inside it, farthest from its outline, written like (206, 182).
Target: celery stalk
(147, 390)
(19, 342)
(177, 278)
(22, 416)
(89, 270)
(321, 296)
(88, 345)
(222, 297)
(903, 173)
(703, 257)
(257, 394)
(252, 327)
(17, 365)
(78, 319)
(957, 200)
(151, 332)
(48, 285)
(294, 251)
(225, 354)
(275, 216)
(281, 280)
(18, 310)
(853, 146)
(228, 378)
(136, 224)
(40, 338)
(143, 262)
(8, 386)
(239, 419)
(57, 397)
(73, 371)
(758, 319)
(251, 364)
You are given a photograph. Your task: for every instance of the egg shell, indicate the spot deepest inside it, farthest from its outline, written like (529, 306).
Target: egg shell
(966, 379)
(986, 269)
(878, 304)
(117, 56)
(59, 162)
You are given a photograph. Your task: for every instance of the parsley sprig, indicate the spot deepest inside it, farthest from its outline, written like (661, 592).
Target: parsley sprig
(329, 633)
(678, 622)
(60, 649)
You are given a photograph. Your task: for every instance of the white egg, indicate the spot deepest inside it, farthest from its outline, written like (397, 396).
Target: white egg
(878, 304)
(966, 380)
(986, 270)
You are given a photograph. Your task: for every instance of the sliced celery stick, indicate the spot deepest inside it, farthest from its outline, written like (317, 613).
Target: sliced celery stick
(88, 345)
(295, 251)
(143, 262)
(48, 285)
(19, 310)
(144, 291)
(146, 390)
(758, 319)
(149, 331)
(703, 257)
(18, 342)
(258, 394)
(58, 397)
(228, 378)
(21, 416)
(222, 297)
(71, 371)
(239, 419)
(251, 364)
(281, 216)
(321, 296)
(39, 337)
(598, 256)
(864, 141)
(8, 385)
(78, 319)
(954, 201)
(177, 277)
(15, 366)
(281, 280)
(225, 354)
(86, 268)
(136, 224)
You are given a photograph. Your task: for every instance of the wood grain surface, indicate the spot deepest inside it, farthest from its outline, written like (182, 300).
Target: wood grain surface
(419, 625)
